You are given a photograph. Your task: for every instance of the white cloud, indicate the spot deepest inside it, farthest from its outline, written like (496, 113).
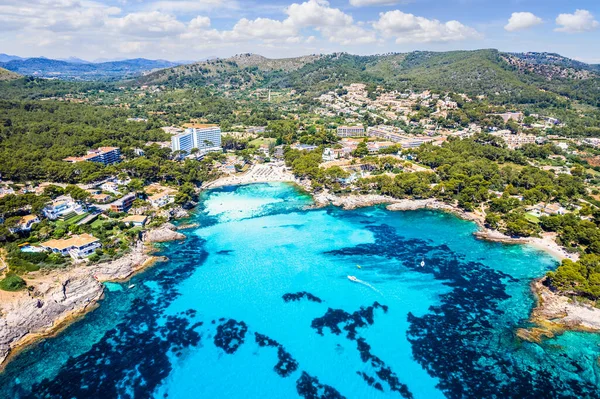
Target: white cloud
(332, 23)
(264, 28)
(199, 22)
(580, 21)
(132, 47)
(317, 13)
(191, 6)
(408, 28)
(363, 3)
(522, 20)
(54, 15)
(153, 23)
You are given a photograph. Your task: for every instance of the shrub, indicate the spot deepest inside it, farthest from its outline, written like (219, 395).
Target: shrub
(12, 282)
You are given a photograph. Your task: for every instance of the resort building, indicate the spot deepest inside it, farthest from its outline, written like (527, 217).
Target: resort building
(390, 133)
(413, 143)
(103, 155)
(515, 140)
(123, 204)
(206, 138)
(351, 131)
(378, 145)
(78, 246)
(62, 206)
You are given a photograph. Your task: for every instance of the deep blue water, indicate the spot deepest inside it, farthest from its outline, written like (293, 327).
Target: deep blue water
(256, 303)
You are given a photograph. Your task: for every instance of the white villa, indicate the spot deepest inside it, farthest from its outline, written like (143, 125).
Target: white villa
(25, 223)
(78, 246)
(162, 198)
(61, 206)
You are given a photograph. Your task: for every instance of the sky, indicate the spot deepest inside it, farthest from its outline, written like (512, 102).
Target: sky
(197, 29)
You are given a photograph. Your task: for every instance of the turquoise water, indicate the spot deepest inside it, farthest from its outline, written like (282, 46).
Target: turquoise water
(256, 303)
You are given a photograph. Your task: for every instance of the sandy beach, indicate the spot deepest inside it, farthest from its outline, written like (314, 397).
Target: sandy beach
(259, 173)
(277, 172)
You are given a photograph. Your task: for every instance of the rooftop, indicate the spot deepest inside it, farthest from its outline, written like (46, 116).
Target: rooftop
(135, 219)
(28, 218)
(75, 241)
(199, 125)
(91, 154)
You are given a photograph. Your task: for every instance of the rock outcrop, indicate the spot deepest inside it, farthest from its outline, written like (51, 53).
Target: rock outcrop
(60, 296)
(556, 313)
(51, 304)
(164, 233)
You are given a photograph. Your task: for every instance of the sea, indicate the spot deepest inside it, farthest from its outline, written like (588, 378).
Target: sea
(271, 298)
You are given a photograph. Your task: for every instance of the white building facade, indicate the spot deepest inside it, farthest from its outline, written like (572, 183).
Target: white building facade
(206, 139)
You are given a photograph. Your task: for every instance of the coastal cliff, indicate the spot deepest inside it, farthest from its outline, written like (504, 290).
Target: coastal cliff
(59, 297)
(555, 314)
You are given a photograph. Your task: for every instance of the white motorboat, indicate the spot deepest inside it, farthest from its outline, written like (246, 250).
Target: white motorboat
(352, 278)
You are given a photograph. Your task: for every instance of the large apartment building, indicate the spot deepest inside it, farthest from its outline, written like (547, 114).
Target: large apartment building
(103, 155)
(205, 138)
(123, 204)
(390, 133)
(351, 131)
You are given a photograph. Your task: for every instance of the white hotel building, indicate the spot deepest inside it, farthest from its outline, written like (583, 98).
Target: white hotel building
(206, 138)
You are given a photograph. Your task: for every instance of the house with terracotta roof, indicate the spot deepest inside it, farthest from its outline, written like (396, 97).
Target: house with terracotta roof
(77, 246)
(101, 198)
(162, 198)
(25, 223)
(135, 220)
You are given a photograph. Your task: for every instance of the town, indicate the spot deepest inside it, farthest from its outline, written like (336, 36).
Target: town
(379, 134)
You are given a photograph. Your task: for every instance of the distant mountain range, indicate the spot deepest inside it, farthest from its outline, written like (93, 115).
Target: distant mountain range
(78, 69)
(522, 77)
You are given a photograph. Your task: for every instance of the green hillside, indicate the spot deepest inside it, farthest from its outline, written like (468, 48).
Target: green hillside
(503, 77)
(8, 75)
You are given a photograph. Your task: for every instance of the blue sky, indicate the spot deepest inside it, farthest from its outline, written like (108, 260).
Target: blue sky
(195, 29)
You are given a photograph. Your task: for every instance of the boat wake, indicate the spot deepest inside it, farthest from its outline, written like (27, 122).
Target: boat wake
(356, 280)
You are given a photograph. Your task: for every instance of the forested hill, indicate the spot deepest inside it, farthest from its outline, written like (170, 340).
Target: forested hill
(529, 77)
(8, 75)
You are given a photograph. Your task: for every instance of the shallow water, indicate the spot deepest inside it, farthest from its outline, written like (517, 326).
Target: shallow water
(256, 303)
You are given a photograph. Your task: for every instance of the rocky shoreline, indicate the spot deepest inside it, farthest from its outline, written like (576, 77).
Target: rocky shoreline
(546, 243)
(60, 297)
(555, 314)
(167, 232)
